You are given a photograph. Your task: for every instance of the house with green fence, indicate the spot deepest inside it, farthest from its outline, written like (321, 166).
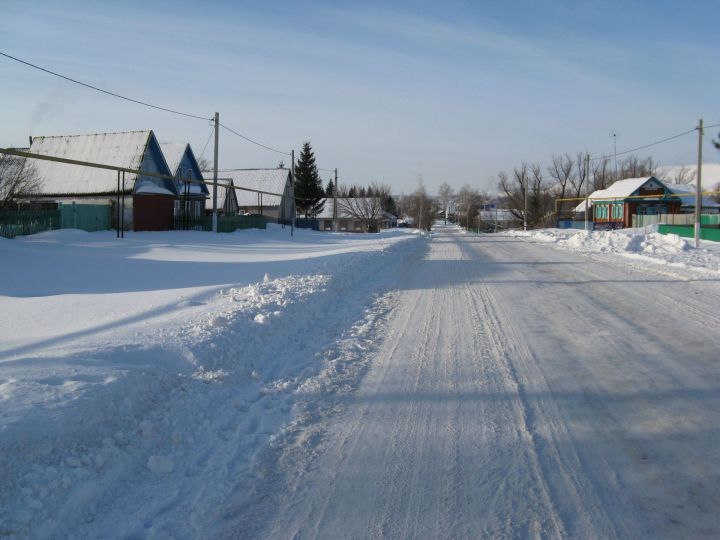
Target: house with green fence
(138, 201)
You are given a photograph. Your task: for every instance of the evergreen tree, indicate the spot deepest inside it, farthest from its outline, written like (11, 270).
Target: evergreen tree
(390, 206)
(308, 185)
(352, 193)
(330, 189)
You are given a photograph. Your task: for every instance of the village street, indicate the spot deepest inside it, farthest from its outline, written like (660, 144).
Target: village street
(520, 391)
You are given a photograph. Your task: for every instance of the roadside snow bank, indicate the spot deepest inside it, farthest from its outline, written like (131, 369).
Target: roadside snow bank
(157, 365)
(648, 245)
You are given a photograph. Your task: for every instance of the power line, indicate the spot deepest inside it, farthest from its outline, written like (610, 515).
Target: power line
(608, 156)
(103, 91)
(207, 142)
(253, 141)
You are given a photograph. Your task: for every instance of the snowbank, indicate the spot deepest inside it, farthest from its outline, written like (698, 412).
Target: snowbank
(134, 373)
(647, 245)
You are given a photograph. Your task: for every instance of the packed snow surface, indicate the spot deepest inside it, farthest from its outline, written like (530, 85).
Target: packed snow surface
(189, 385)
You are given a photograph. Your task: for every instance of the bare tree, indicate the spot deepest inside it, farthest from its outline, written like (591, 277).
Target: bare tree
(514, 189)
(18, 178)
(445, 197)
(368, 209)
(579, 180)
(204, 164)
(684, 175)
(420, 207)
(634, 167)
(602, 175)
(561, 171)
(468, 202)
(527, 183)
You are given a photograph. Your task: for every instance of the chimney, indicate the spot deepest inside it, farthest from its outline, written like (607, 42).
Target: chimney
(30, 137)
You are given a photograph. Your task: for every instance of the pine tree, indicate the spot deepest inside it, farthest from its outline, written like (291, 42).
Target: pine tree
(308, 186)
(330, 189)
(352, 193)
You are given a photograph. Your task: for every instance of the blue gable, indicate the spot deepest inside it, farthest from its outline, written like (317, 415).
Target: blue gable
(154, 161)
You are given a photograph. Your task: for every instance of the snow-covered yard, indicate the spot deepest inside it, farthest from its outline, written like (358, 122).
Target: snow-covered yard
(127, 365)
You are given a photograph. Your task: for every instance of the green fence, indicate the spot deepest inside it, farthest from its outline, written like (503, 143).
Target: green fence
(16, 223)
(225, 223)
(87, 217)
(706, 233)
(233, 223)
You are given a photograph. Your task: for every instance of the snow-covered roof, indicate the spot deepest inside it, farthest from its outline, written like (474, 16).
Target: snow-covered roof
(150, 188)
(618, 190)
(124, 149)
(222, 193)
(686, 194)
(174, 153)
(269, 180)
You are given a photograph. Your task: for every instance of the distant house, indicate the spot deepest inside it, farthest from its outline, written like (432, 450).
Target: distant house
(614, 207)
(150, 204)
(182, 163)
(686, 194)
(348, 220)
(275, 207)
(227, 203)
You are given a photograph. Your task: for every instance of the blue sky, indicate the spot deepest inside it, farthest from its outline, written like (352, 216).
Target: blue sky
(385, 92)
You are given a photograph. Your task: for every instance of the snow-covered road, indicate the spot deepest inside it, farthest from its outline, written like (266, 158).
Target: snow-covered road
(520, 391)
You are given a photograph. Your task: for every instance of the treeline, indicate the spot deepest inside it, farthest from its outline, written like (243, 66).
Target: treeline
(567, 177)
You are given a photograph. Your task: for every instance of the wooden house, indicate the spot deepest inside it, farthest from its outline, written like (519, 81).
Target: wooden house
(148, 201)
(274, 207)
(182, 163)
(227, 203)
(614, 207)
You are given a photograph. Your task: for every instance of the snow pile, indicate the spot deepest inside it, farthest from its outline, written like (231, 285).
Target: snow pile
(648, 245)
(136, 374)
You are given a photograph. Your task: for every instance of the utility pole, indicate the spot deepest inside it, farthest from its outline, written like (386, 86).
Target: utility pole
(292, 185)
(587, 188)
(335, 192)
(215, 173)
(615, 154)
(527, 183)
(698, 187)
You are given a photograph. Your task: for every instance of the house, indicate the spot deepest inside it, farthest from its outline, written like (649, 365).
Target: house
(686, 194)
(182, 163)
(148, 201)
(227, 203)
(615, 206)
(354, 214)
(274, 207)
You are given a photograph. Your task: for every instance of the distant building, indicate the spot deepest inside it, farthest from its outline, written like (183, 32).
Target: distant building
(686, 194)
(227, 203)
(274, 207)
(182, 164)
(148, 201)
(347, 221)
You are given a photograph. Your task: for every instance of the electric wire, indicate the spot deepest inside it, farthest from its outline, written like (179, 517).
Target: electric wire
(253, 141)
(677, 136)
(207, 142)
(102, 90)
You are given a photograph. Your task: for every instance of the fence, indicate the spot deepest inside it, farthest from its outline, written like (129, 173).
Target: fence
(675, 219)
(87, 217)
(706, 233)
(20, 222)
(225, 223)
